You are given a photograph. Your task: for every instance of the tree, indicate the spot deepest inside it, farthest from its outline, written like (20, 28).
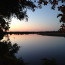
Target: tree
(18, 9)
(49, 61)
(7, 54)
(3, 24)
(62, 15)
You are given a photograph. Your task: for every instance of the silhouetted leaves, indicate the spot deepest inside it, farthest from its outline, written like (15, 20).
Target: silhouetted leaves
(9, 8)
(62, 9)
(49, 61)
(18, 9)
(7, 54)
(8, 48)
(52, 2)
(14, 8)
(3, 24)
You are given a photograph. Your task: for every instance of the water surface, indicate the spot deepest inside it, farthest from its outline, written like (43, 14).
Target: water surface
(34, 47)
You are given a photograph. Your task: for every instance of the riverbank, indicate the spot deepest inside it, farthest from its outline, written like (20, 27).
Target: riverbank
(52, 33)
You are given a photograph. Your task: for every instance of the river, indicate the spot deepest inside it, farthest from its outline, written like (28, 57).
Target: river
(35, 47)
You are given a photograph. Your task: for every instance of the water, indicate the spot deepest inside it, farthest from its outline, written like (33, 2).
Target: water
(34, 47)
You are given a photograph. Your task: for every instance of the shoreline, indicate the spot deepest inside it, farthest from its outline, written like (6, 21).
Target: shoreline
(39, 33)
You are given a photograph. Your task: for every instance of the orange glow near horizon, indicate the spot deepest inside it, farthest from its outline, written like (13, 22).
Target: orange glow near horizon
(37, 22)
(27, 28)
(43, 19)
(17, 25)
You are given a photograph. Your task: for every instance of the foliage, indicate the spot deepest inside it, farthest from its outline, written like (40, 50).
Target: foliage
(18, 9)
(15, 7)
(49, 61)
(62, 9)
(8, 48)
(3, 24)
(62, 19)
(52, 2)
(7, 54)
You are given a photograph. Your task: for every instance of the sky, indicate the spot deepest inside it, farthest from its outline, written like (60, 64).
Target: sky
(44, 19)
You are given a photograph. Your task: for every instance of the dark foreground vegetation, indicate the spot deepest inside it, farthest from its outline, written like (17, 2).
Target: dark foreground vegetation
(7, 54)
(18, 9)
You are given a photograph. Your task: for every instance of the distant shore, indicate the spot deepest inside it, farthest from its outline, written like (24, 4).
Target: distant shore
(48, 33)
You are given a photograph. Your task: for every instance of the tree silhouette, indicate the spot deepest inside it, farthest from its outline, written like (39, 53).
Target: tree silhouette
(52, 2)
(18, 9)
(62, 9)
(3, 24)
(7, 54)
(49, 61)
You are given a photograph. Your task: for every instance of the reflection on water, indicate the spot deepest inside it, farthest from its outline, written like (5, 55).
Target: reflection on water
(7, 53)
(34, 47)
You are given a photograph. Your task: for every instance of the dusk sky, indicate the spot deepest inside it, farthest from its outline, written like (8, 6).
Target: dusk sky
(43, 19)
